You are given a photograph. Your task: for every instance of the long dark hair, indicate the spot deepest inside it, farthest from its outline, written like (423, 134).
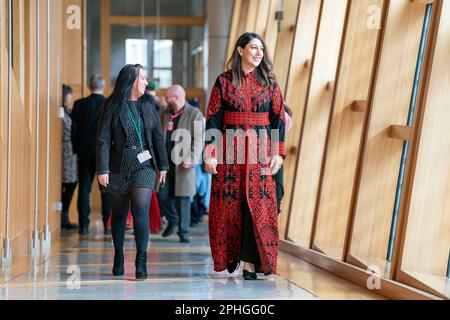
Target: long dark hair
(124, 85)
(263, 72)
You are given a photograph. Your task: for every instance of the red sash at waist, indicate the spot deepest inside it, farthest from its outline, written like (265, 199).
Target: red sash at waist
(246, 118)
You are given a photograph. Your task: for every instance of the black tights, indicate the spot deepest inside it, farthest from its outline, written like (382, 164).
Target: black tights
(140, 205)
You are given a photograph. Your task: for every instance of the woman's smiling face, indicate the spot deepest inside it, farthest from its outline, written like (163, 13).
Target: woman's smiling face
(253, 53)
(140, 83)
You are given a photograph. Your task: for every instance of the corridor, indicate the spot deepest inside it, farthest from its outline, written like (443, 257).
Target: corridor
(176, 272)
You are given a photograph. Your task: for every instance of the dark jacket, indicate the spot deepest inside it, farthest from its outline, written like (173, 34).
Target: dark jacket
(112, 136)
(85, 115)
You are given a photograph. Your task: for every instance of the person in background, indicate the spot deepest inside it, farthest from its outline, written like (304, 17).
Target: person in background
(151, 90)
(278, 177)
(175, 196)
(85, 118)
(200, 201)
(70, 165)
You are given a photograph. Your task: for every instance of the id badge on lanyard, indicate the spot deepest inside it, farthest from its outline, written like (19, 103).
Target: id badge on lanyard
(170, 126)
(144, 156)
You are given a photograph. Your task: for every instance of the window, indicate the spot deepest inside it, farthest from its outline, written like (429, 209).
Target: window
(136, 52)
(162, 62)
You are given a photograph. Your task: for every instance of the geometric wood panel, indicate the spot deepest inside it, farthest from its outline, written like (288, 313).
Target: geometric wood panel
(315, 126)
(284, 42)
(381, 156)
(344, 138)
(427, 239)
(296, 93)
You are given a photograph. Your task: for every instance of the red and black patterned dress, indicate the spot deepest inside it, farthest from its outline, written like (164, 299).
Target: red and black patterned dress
(244, 186)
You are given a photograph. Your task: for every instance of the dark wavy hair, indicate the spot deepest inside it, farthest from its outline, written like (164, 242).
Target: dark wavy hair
(263, 72)
(124, 84)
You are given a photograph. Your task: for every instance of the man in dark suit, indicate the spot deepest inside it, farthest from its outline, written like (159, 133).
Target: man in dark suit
(85, 116)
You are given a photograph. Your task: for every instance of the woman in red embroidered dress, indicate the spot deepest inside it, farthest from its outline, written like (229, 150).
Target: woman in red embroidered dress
(243, 222)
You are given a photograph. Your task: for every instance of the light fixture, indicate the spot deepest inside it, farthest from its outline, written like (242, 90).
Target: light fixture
(279, 14)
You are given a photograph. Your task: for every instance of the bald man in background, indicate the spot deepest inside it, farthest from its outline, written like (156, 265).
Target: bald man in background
(175, 196)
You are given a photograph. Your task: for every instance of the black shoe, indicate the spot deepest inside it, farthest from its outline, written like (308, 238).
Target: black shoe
(249, 275)
(194, 223)
(184, 239)
(118, 268)
(141, 265)
(83, 231)
(65, 222)
(231, 266)
(169, 230)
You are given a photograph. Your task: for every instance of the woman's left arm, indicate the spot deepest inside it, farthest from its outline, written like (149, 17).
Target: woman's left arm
(278, 127)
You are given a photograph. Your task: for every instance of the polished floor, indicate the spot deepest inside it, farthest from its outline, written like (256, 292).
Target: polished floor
(176, 271)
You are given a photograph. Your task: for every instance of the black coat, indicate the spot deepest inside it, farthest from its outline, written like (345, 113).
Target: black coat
(85, 115)
(112, 136)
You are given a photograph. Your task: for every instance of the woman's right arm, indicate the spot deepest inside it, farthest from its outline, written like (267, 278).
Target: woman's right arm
(104, 144)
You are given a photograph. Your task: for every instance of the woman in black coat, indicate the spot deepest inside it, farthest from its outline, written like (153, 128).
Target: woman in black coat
(130, 150)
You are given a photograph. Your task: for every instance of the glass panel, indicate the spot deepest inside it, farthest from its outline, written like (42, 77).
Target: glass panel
(163, 77)
(173, 50)
(409, 121)
(93, 34)
(136, 51)
(162, 53)
(425, 260)
(169, 8)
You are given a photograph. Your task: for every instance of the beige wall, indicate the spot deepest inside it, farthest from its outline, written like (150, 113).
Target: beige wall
(23, 125)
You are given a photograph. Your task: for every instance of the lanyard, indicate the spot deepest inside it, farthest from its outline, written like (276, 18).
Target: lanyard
(176, 115)
(136, 127)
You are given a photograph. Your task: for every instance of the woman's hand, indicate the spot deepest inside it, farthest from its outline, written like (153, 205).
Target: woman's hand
(162, 177)
(275, 164)
(187, 165)
(103, 179)
(211, 165)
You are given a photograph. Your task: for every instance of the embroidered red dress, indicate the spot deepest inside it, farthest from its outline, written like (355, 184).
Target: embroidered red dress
(252, 106)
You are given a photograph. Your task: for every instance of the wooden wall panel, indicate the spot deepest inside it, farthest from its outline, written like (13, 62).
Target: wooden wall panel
(252, 15)
(262, 17)
(271, 33)
(23, 147)
(381, 156)
(3, 118)
(344, 138)
(55, 122)
(285, 39)
(296, 92)
(72, 73)
(316, 120)
(427, 240)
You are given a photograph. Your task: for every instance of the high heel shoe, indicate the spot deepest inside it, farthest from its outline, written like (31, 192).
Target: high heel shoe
(141, 265)
(118, 269)
(249, 275)
(231, 266)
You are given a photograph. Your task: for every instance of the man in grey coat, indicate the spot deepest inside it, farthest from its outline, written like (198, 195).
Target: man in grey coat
(183, 133)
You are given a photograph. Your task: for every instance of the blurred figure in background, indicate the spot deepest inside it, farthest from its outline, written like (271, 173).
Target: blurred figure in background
(70, 165)
(175, 196)
(85, 117)
(151, 89)
(200, 201)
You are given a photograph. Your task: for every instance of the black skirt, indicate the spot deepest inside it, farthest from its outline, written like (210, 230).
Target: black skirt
(132, 174)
